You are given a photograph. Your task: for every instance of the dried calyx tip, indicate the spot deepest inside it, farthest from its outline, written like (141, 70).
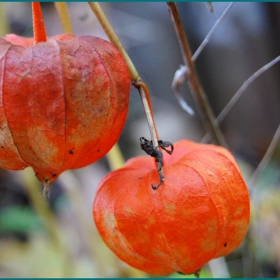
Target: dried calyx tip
(152, 151)
(46, 191)
(161, 179)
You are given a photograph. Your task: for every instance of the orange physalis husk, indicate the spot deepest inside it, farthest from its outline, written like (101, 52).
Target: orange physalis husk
(63, 103)
(200, 212)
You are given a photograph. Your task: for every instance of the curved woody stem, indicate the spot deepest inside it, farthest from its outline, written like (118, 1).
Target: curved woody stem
(134, 76)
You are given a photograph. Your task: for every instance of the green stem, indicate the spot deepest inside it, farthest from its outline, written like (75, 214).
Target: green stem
(113, 38)
(115, 157)
(4, 25)
(47, 217)
(64, 17)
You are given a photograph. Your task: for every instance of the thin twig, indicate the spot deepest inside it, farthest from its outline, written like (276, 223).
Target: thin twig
(179, 77)
(270, 150)
(242, 89)
(181, 74)
(207, 115)
(211, 32)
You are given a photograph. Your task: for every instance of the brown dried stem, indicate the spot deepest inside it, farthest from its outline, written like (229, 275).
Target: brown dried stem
(135, 78)
(206, 112)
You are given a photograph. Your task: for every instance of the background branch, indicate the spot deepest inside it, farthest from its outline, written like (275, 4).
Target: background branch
(206, 112)
(242, 89)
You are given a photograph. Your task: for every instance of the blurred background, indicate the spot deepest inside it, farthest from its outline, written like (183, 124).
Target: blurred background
(59, 238)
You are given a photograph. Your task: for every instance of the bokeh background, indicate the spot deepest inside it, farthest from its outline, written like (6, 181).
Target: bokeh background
(58, 238)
